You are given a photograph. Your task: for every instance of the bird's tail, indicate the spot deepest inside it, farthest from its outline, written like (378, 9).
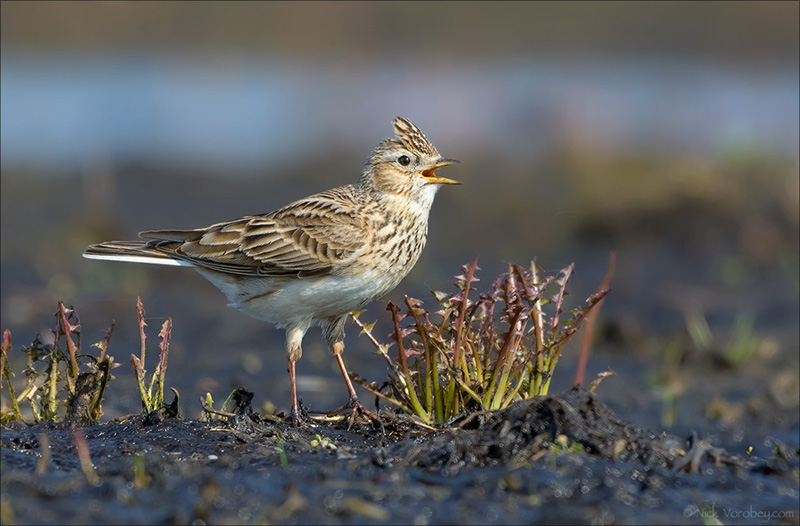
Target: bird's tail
(134, 252)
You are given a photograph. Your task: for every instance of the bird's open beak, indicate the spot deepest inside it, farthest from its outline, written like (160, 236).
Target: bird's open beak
(430, 174)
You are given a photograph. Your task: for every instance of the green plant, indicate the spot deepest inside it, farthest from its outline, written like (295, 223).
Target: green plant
(84, 458)
(563, 445)
(153, 395)
(323, 443)
(281, 449)
(141, 479)
(477, 354)
(63, 383)
(5, 374)
(743, 344)
(239, 402)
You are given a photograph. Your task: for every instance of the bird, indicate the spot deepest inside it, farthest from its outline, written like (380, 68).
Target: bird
(317, 259)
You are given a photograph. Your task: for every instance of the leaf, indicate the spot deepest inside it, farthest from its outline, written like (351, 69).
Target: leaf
(441, 297)
(600, 377)
(5, 370)
(140, 315)
(164, 334)
(367, 327)
(413, 302)
(136, 364)
(397, 313)
(6, 346)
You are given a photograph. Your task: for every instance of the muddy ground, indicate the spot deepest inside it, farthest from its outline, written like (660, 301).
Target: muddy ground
(554, 459)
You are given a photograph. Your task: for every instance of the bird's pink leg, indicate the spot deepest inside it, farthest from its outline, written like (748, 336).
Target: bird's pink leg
(294, 350)
(333, 331)
(295, 412)
(350, 390)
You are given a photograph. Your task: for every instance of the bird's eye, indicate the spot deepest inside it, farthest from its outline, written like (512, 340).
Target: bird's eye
(404, 160)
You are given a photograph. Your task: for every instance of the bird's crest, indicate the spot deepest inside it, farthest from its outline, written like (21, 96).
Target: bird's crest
(412, 137)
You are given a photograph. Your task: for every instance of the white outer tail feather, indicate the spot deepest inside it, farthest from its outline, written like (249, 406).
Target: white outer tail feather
(140, 259)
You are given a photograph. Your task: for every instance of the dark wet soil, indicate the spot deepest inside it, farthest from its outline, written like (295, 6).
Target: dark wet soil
(554, 459)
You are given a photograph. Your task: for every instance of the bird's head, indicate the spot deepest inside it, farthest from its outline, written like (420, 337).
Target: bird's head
(406, 165)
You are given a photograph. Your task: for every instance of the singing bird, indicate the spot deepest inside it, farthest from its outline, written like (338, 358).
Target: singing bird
(317, 259)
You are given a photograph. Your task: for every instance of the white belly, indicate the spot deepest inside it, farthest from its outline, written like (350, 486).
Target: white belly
(285, 301)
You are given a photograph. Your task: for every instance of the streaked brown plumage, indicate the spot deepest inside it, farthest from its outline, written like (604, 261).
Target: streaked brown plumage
(317, 259)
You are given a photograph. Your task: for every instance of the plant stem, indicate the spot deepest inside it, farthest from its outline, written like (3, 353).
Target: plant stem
(412, 394)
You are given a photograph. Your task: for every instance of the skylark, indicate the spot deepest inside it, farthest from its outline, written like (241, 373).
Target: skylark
(317, 259)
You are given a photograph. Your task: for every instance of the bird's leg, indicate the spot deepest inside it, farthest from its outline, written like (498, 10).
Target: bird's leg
(352, 403)
(334, 335)
(295, 411)
(333, 331)
(337, 350)
(294, 350)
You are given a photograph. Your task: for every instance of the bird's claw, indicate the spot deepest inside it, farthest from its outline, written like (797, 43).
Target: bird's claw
(356, 409)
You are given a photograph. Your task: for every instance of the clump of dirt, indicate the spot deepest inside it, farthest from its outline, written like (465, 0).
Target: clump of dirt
(575, 421)
(521, 464)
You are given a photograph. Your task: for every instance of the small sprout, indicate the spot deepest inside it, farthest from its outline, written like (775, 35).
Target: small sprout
(84, 457)
(619, 447)
(669, 408)
(749, 451)
(207, 403)
(140, 477)
(586, 341)
(698, 329)
(709, 516)
(323, 443)
(563, 445)
(44, 452)
(281, 447)
(357, 507)
(153, 395)
(600, 377)
(511, 482)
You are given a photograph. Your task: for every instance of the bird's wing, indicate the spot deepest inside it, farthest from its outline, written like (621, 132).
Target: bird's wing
(305, 238)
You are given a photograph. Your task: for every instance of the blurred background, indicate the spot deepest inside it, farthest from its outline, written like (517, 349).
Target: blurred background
(664, 131)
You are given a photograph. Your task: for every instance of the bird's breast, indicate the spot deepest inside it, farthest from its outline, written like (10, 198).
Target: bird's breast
(398, 245)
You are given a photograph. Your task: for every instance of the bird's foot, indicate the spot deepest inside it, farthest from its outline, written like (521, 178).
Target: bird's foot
(356, 409)
(299, 416)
